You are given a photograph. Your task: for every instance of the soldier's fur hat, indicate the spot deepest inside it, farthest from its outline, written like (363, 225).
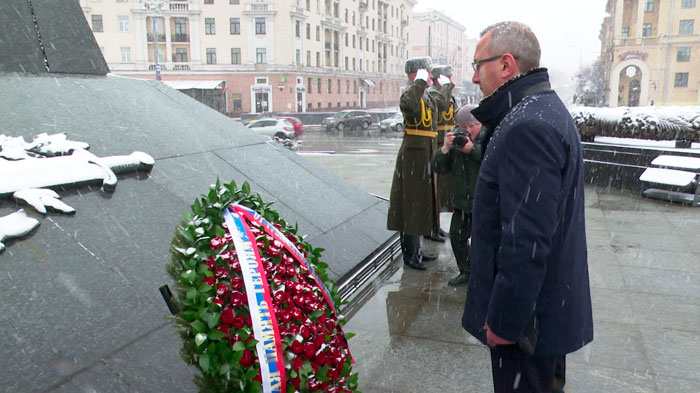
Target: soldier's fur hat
(442, 70)
(416, 63)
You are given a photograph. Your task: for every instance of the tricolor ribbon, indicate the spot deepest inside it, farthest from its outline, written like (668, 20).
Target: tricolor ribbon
(269, 346)
(254, 216)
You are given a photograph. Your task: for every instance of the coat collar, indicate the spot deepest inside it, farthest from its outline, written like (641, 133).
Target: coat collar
(493, 108)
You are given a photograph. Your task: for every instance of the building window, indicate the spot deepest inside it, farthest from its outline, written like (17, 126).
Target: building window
(688, 4)
(347, 86)
(308, 31)
(683, 54)
(346, 39)
(211, 55)
(297, 29)
(681, 79)
(126, 54)
(235, 2)
(209, 26)
(649, 7)
(318, 59)
(338, 85)
(318, 86)
(235, 25)
(261, 55)
(208, 1)
(259, 25)
(330, 88)
(353, 40)
(97, 23)
(646, 30)
(235, 55)
(354, 87)
(298, 57)
(625, 33)
(318, 33)
(308, 58)
(123, 23)
(346, 63)
(346, 15)
(308, 5)
(180, 55)
(309, 88)
(686, 27)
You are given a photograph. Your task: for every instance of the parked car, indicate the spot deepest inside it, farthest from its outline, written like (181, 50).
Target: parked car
(394, 122)
(348, 119)
(298, 127)
(280, 128)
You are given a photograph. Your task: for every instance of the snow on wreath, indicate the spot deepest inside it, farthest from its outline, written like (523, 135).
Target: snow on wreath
(256, 309)
(29, 171)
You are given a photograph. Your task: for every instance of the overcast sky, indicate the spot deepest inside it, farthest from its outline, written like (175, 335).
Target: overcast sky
(563, 27)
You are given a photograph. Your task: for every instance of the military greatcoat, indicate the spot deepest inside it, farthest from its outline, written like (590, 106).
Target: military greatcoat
(446, 121)
(412, 203)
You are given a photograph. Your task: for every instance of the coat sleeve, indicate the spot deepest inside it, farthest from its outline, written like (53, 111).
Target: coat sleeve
(409, 102)
(441, 97)
(441, 163)
(475, 154)
(529, 181)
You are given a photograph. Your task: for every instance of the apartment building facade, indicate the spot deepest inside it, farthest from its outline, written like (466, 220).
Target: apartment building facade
(443, 39)
(652, 49)
(261, 55)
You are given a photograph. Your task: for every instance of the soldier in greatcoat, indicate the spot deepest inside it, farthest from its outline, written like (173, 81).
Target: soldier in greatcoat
(413, 207)
(445, 122)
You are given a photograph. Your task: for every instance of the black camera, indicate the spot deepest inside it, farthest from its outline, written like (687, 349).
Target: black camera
(461, 138)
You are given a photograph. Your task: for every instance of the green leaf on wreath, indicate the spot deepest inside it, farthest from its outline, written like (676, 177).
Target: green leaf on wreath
(189, 315)
(204, 288)
(348, 336)
(245, 188)
(322, 374)
(204, 362)
(215, 334)
(212, 320)
(200, 338)
(191, 293)
(316, 313)
(199, 327)
(238, 346)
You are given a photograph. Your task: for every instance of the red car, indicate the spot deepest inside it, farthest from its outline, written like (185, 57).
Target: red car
(298, 127)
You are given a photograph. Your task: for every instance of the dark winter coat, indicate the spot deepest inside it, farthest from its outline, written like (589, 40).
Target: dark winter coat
(412, 206)
(446, 121)
(464, 170)
(528, 231)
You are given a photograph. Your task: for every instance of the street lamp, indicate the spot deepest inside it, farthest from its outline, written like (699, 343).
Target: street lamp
(155, 6)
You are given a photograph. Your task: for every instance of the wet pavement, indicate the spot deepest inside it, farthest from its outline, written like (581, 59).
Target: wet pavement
(645, 284)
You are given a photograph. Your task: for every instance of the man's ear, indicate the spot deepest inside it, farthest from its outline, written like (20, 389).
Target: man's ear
(510, 67)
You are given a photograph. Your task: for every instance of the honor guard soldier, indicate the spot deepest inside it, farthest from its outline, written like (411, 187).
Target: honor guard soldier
(413, 204)
(445, 122)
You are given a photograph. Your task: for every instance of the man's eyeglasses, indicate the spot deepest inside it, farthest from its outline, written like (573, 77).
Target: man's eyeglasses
(476, 63)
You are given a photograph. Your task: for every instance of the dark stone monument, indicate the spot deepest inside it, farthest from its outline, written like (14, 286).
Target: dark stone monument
(81, 308)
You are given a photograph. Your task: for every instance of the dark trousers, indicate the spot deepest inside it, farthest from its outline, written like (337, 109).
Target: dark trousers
(516, 372)
(410, 246)
(460, 231)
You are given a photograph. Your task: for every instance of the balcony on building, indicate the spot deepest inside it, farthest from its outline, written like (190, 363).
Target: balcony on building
(259, 9)
(179, 5)
(180, 38)
(160, 37)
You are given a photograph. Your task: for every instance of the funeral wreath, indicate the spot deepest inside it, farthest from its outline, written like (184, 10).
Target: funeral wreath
(255, 307)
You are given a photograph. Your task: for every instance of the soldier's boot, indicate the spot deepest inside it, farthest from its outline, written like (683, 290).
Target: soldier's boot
(410, 246)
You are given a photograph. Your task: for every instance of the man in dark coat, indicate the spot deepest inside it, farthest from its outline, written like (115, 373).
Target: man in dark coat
(412, 202)
(462, 160)
(529, 296)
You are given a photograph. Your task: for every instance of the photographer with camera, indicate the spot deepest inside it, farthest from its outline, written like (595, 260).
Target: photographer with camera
(460, 155)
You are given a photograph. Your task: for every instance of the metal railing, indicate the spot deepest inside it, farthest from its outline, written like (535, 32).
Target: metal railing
(180, 38)
(159, 37)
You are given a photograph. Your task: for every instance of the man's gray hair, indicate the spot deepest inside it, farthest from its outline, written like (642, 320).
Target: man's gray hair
(517, 39)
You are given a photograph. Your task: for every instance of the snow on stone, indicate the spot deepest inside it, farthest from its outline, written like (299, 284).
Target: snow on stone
(15, 225)
(41, 198)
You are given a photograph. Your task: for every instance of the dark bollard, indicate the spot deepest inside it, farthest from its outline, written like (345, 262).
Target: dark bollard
(168, 297)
